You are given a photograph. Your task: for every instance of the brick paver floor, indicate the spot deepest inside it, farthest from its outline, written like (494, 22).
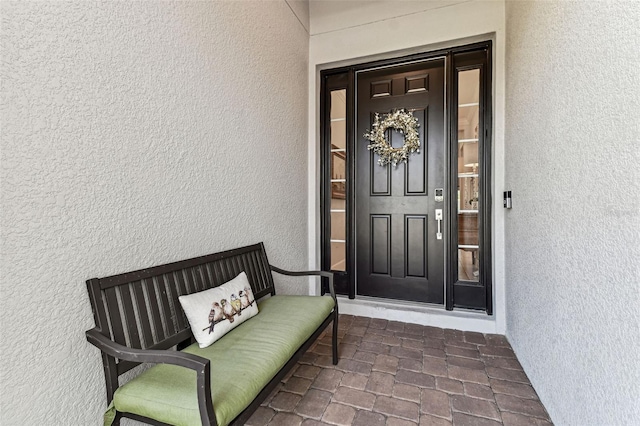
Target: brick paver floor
(393, 373)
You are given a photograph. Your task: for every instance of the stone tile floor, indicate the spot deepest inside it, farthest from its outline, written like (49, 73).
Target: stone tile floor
(393, 373)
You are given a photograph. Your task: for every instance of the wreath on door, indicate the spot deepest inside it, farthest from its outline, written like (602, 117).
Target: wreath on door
(402, 121)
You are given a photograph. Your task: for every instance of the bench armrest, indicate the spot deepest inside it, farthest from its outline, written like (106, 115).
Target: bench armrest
(99, 340)
(329, 275)
(190, 361)
(324, 274)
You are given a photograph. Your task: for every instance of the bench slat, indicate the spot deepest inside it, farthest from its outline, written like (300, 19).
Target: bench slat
(224, 269)
(257, 276)
(130, 317)
(179, 279)
(206, 276)
(266, 278)
(165, 305)
(233, 267)
(114, 315)
(247, 266)
(197, 272)
(97, 305)
(181, 276)
(195, 281)
(237, 267)
(217, 272)
(147, 336)
(192, 280)
(176, 292)
(156, 320)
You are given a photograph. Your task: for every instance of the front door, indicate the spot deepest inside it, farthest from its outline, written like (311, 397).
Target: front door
(398, 252)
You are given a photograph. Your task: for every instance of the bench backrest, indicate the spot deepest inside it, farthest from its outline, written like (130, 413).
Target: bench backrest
(141, 309)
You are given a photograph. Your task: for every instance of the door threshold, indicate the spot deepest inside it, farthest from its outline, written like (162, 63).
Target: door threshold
(417, 313)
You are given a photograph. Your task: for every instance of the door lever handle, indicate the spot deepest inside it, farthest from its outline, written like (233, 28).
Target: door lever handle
(439, 220)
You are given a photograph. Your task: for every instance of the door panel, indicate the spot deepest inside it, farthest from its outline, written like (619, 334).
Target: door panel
(415, 171)
(416, 242)
(380, 244)
(398, 255)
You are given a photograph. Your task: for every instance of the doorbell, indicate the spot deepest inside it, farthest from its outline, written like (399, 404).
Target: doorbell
(506, 203)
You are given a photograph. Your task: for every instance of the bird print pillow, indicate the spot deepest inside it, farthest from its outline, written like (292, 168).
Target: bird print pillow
(213, 313)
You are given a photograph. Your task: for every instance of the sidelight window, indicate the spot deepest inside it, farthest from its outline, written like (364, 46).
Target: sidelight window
(468, 178)
(336, 180)
(470, 241)
(338, 210)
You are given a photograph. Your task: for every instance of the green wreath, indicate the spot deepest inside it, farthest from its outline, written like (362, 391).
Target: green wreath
(402, 121)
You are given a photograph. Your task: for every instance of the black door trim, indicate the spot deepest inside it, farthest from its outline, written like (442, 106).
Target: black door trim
(344, 78)
(461, 294)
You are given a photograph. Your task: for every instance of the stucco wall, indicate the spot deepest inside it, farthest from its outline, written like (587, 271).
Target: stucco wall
(370, 30)
(572, 156)
(133, 134)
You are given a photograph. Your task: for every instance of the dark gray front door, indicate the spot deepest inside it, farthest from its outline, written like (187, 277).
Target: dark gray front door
(397, 253)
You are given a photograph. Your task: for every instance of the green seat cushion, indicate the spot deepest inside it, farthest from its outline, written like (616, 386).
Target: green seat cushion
(242, 364)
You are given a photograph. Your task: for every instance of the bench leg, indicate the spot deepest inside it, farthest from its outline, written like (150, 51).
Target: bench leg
(334, 337)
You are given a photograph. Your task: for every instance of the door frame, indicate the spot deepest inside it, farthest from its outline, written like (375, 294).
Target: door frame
(345, 78)
(462, 294)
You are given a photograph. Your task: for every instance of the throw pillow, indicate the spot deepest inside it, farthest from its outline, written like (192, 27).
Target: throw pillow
(213, 313)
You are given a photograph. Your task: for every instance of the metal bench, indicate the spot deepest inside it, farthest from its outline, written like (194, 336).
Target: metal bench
(139, 320)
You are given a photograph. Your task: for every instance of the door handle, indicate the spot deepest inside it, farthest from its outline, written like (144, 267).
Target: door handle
(439, 220)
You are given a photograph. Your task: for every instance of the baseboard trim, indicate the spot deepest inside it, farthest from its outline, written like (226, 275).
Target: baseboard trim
(432, 315)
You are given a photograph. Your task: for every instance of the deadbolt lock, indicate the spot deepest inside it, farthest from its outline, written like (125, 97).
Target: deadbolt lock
(439, 195)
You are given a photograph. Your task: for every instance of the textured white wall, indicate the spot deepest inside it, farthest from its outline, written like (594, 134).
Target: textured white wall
(300, 8)
(133, 134)
(368, 30)
(573, 155)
